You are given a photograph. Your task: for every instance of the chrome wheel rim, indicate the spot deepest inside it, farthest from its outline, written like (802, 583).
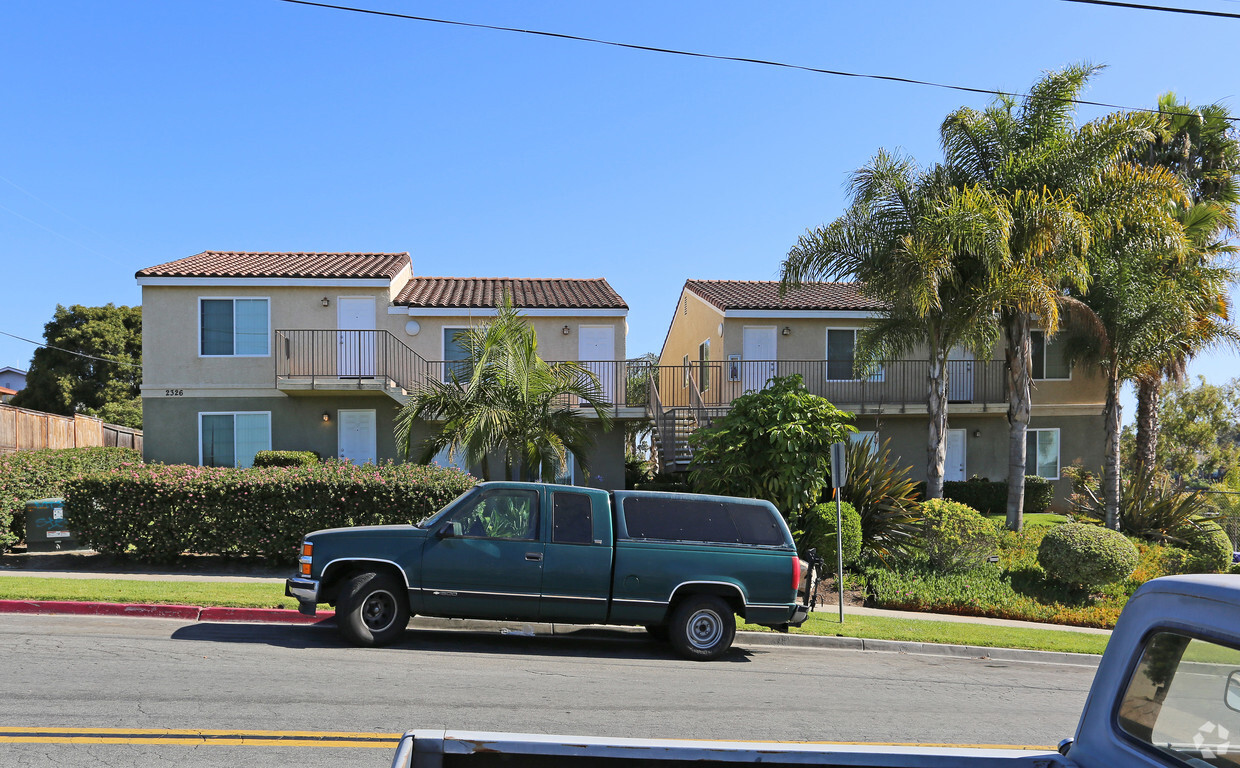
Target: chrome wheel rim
(379, 610)
(705, 629)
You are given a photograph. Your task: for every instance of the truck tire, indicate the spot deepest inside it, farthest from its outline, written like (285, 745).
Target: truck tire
(702, 627)
(373, 609)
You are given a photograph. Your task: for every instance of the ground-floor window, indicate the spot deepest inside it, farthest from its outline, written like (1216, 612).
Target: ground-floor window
(232, 439)
(862, 436)
(1042, 453)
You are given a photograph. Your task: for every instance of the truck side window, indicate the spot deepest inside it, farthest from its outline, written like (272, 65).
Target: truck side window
(506, 513)
(676, 519)
(757, 525)
(572, 522)
(1181, 700)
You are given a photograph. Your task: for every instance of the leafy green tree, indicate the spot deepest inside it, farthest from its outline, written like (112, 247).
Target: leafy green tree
(1199, 430)
(91, 364)
(1201, 148)
(1065, 187)
(507, 404)
(927, 248)
(773, 444)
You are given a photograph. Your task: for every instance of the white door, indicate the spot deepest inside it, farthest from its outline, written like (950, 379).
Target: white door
(953, 467)
(356, 437)
(959, 375)
(757, 357)
(596, 349)
(355, 332)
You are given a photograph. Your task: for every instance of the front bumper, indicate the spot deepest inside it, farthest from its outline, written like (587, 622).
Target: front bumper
(306, 591)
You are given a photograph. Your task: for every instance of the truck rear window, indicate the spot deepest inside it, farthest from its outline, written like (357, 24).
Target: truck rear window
(673, 519)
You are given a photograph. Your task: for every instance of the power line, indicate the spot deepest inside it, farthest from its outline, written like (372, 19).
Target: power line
(719, 57)
(70, 351)
(1163, 8)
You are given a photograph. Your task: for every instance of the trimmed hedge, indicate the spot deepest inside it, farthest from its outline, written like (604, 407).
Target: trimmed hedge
(158, 512)
(817, 530)
(285, 458)
(42, 474)
(990, 496)
(1209, 545)
(1078, 554)
(956, 537)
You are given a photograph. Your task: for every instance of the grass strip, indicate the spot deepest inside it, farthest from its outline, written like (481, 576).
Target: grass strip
(233, 594)
(256, 595)
(950, 632)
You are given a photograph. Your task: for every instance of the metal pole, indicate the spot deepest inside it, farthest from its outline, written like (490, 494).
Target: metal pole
(839, 552)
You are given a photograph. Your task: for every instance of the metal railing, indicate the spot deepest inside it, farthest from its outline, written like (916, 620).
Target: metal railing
(896, 383)
(310, 356)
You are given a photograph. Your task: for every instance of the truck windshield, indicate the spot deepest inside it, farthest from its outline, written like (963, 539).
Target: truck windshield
(429, 522)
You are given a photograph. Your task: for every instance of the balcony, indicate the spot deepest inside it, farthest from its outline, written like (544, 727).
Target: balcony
(897, 386)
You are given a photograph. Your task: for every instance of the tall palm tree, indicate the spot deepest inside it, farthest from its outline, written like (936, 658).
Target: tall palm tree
(1065, 187)
(927, 247)
(505, 403)
(1199, 146)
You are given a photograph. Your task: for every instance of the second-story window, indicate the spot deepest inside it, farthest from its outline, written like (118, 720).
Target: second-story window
(456, 363)
(1048, 358)
(841, 350)
(704, 365)
(233, 328)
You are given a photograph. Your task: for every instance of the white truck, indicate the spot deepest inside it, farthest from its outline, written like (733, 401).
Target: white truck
(1166, 694)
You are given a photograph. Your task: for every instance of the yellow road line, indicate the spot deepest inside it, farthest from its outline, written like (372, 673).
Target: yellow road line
(197, 737)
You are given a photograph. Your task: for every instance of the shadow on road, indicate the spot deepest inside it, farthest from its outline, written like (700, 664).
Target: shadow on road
(580, 643)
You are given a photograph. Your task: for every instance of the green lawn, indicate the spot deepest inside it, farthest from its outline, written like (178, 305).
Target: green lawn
(1035, 518)
(229, 593)
(256, 595)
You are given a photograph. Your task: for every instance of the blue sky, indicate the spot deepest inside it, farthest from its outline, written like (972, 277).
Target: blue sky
(138, 132)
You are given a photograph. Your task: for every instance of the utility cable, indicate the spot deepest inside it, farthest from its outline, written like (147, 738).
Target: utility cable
(1163, 8)
(719, 57)
(70, 351)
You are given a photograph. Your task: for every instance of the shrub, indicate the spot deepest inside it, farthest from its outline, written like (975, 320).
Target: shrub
(285, 458)
(990, 496)
(1085, 555)
(885, 498)
(27, 475)
(1150, 509)
(159, 512)
(1209, 546)
(956, 537)
(817, 531)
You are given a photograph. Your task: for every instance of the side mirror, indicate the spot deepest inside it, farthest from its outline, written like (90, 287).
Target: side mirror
(448, 530)
(1232, 697)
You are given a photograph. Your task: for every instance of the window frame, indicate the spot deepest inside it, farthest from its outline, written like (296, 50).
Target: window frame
(876, 377)
(684, 384)
(1058, 451)
(703, 366)
(589, 503)
(1034, 375)
(234, 414)
(487, 493)
(443, 348)
(233, 299)
(861, 434)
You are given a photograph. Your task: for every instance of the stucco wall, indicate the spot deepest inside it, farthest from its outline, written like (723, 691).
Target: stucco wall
(553, 343)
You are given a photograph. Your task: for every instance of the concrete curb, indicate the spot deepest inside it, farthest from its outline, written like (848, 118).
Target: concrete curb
(533, 629)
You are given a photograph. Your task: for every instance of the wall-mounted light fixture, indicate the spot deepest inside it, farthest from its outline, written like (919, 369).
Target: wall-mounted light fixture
(564, 330)
(327, 416)
(786, 331)
(325, 301)
(977, 433)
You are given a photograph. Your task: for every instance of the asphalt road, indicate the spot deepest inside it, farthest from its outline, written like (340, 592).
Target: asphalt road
(201, 687)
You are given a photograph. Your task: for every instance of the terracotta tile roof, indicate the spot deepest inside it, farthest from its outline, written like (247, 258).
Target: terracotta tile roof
(527, 293)
(764, 294)
(7, 391)
(290, 265)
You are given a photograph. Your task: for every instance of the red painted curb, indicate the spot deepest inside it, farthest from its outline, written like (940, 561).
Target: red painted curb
(187, 612)
(280, 615)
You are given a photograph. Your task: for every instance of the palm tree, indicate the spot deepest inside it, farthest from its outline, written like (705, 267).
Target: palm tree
(927, 248)
(506, 402)
(1065, 187)
(1200, 147)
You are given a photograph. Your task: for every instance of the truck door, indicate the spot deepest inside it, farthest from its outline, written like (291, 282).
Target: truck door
(494, 568)
(577, 567)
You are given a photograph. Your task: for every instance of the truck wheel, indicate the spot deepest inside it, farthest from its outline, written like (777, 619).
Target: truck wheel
(702, 628)
(373, 609)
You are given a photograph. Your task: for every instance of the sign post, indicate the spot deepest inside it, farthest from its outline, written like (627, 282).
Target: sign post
(839, 472)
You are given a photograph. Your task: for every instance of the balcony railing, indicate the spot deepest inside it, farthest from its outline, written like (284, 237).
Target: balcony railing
(897, 383)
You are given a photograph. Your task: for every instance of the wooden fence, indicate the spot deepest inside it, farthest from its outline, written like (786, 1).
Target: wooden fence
(23, 430)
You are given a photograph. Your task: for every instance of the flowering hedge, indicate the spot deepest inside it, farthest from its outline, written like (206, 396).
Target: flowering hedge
(157, 512)
(28, 475)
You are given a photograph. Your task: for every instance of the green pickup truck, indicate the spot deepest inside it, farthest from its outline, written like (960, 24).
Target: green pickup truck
(678, 564)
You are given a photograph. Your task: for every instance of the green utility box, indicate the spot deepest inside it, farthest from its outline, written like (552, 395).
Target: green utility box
(47, 528)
